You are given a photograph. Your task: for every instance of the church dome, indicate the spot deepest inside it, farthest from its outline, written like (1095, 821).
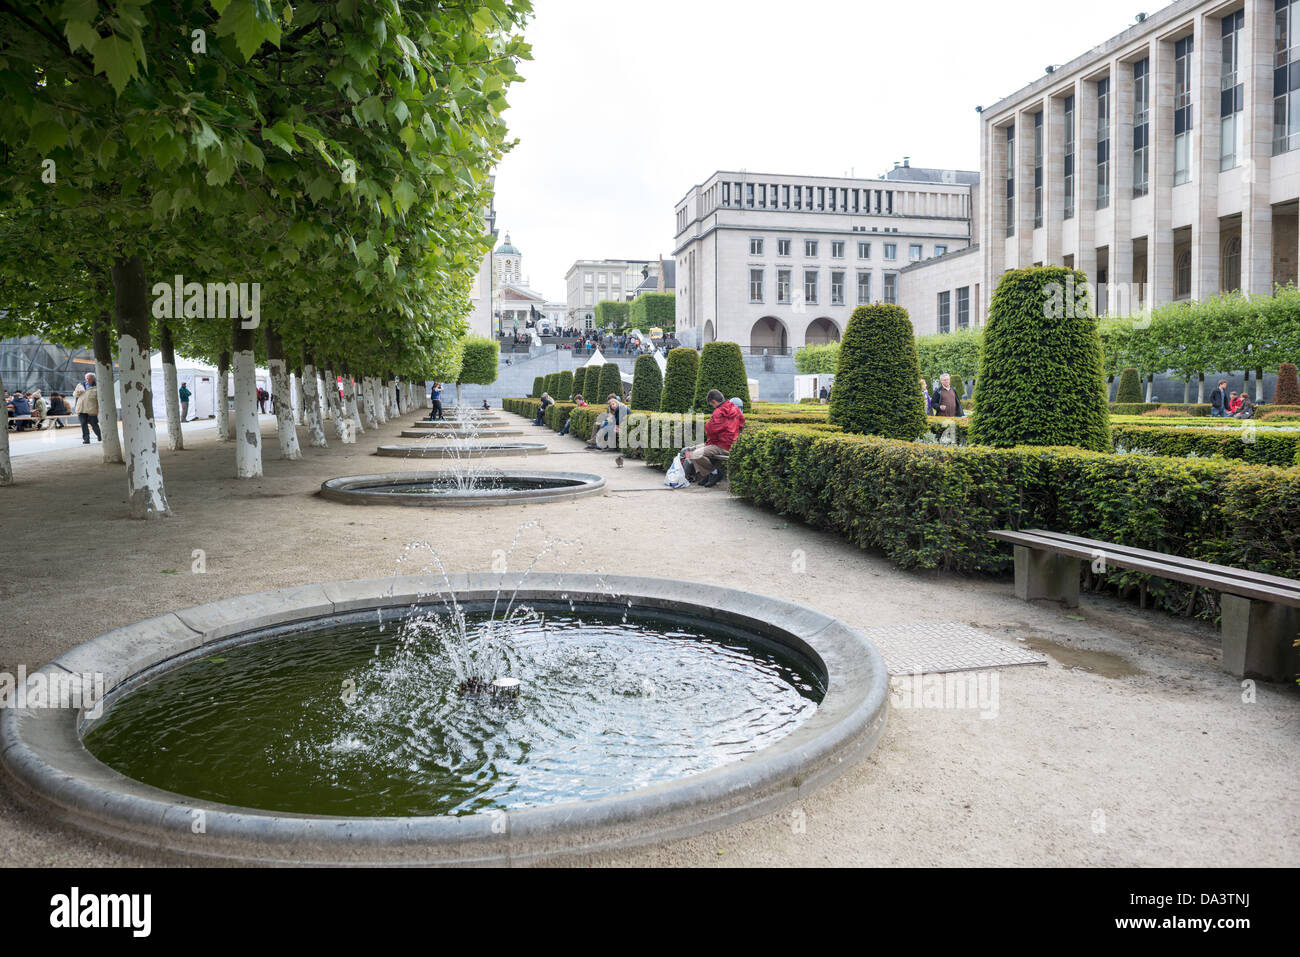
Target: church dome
(508, 249)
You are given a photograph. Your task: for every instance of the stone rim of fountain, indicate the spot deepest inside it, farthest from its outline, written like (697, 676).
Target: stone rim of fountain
(483, 450)
(350, 489)
(459, 433)
(47, 765)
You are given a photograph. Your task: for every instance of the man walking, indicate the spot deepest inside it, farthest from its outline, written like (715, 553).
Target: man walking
(185, 401)
(1219, 400)
(88, 410)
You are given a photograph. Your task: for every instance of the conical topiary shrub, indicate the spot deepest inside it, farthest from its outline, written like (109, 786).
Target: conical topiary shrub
(1041, 379)
(539, 386)
(1130, 387)
(647, 385)
(876, 379)
(564, 386)
(679, 381)
(722, 367)
(580, 382)
(611, 382)
(1288, 388)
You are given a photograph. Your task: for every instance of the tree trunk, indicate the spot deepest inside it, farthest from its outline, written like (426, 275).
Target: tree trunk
(224, 432)
(103, 345)
(381, 410)
(1200, 388)
(248, 429)
(394, 403)
(175, 440)
(144, 478)
(351, 413)
(1151, 385)
(1259, 384)
(300, 394)
(458, 395)
(311, 404)
(367, 397)
(1187, 391)
(6, 464)
(281, 395)
(1110, 388)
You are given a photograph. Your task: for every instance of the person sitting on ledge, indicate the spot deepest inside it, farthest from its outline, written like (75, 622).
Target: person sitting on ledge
(720, 434)
(578, 403)
(547, 402)
(605, 433)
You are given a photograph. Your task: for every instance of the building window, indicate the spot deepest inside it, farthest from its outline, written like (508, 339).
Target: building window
(864, 250)
(837, 289)
(726, 194)
(587, 278)
(1103, 143)
(1232, 131)
(891, 287)
(616, 278)
(914, 252)
(1183, 276)
(1231, 265)
(891, 250)
(1068, 167)
(864, 288)
(785, 197)
(1182, 111)
(756, 285)
(603, 279)
(810, 286)
(963, 307)
(749, 195)
(798, 197)
(783, 285)
(940, 250)
(1286, 79)
(1011, 179)
(1038, 169)
(945, 312)
(1141, 126)
(810, 248)
(756, 247)
(821, 197)
(587, 298)
(783, 247)
(837, 249)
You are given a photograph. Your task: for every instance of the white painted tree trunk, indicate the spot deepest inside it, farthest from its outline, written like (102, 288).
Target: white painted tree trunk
(112, 442)
(381, 409)
(368, 403)
(224, 431)
(6, 464)
(1259, 385)
(175, 440)
(394, 407)
(352, 412)
(144, 479)
(328, 388)
(280, 405)
(1200, 388)
(248, 431)
(300, 393)
(1151, 385)
(1187, 391)
(311, 409)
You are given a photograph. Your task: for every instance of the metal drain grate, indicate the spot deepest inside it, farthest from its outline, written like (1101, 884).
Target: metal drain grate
(934, 647)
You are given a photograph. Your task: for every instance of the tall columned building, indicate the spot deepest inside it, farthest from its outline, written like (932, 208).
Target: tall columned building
(775, 262)
(1165, 163)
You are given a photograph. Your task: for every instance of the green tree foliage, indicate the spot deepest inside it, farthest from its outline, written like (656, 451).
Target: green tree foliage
(580, 382)
(564, 386)
(653, 310)
(958, 385)
(722, 367)
(610, 382)
(876, 381)
(479, 361)
(679, 381)
(1130, 386)
(1040, 378)
(539, 386)
(817, 360)
(612, 314)
(647, 385)
(956, 353)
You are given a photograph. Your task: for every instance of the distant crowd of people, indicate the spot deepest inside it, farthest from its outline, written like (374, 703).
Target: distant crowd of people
(42, 410)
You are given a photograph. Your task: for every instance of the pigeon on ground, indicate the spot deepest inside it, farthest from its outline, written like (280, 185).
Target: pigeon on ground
(618, 462)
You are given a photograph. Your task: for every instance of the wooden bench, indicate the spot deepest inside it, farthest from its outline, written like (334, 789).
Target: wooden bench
(32, 418)
(1261, 613)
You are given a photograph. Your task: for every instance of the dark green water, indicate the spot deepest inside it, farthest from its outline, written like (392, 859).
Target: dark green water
(361, 719)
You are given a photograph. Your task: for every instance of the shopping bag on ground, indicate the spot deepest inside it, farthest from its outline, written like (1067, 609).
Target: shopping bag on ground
(676, 477)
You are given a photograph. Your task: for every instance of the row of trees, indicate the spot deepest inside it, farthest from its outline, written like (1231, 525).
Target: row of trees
(301, 186)
(648, 311)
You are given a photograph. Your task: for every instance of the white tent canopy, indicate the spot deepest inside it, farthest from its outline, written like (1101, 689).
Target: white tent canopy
(596, 360)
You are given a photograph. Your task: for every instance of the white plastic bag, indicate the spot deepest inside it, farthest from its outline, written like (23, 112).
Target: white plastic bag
(676, 477)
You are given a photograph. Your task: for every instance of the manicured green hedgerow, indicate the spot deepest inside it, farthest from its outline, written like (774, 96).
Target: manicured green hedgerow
(557, 415)
(875, 389)
(722, 367)
(564, 386)
(1040, 380)
(539, 386)
(958, 386)
(1258, 446)
(679, 380)
(610, 383)
(525, 407)
(647, 384)
(1130, 387)
(653, 309)
(580, 383)
(927, 506)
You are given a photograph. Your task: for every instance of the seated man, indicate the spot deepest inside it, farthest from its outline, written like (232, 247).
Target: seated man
(547, 402)
(57, 407)
(580, 403)
(719, 435)
(605, 433)
(20, 406)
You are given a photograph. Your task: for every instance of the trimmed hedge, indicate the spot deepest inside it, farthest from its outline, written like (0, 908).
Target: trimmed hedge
(612, 313)
(539, 386)
(564, 387)
(647, 384)
(1040, 377)
(557, 415)
(958, 386)
(875, 383)
(722, 367)
(926, 506)
(1130, 388)
(679, 380)
(654, 309)
(480, 361)
(1288, 385)
(580, 382)
(1256, 446)
(610, 383)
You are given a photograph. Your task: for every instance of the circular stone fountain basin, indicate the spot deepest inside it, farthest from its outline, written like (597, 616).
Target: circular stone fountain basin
(454, 451)
(459, 433)
(331, 732)
(455, 423)
(445, 489)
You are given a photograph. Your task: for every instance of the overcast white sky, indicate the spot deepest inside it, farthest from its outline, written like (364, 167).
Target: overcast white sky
(627, 105)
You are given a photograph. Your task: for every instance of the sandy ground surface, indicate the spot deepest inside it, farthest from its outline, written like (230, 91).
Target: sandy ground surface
(1129, 747)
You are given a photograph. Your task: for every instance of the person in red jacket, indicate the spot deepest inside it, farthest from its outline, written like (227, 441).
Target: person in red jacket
(719, 435)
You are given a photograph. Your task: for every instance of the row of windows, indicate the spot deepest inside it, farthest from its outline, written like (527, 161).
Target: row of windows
(963, 309)
(811, 282)
(811, 247)
(841, 199)
(615, 278)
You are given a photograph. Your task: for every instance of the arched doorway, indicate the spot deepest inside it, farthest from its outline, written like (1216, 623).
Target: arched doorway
(769, 333)
(708, 331)
(821, 332)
